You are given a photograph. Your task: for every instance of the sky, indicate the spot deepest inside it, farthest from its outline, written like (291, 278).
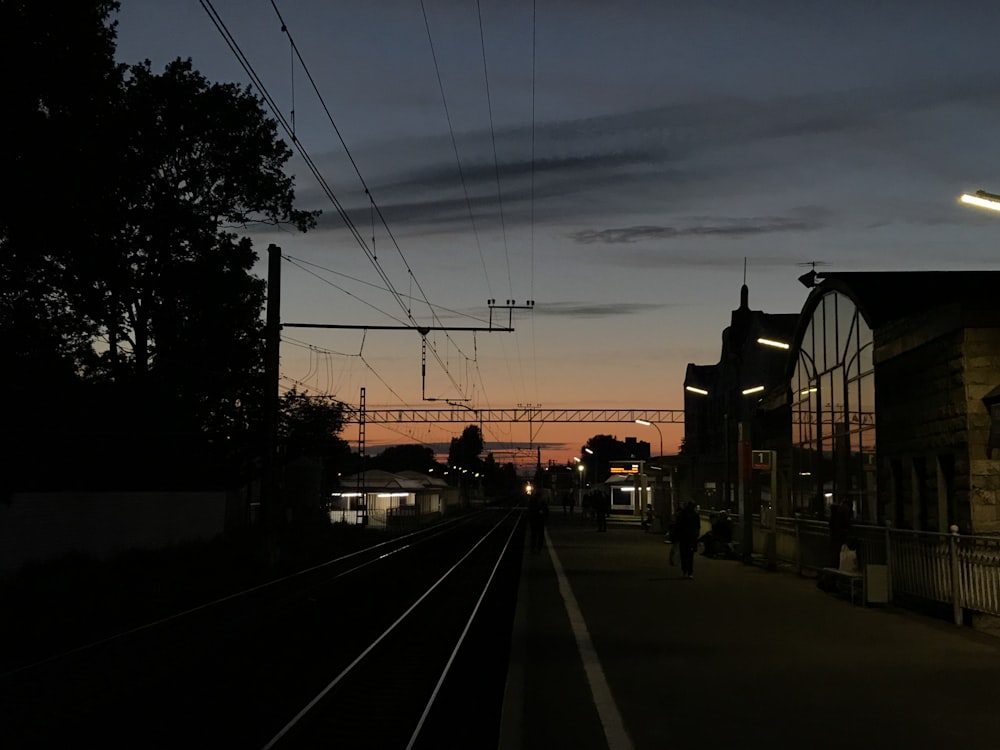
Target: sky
(620, 164)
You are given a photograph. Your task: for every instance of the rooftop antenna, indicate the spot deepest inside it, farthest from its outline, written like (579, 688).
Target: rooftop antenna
(808, 279)
(744, 270)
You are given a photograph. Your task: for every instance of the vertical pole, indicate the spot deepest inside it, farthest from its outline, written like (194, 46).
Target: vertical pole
(773, 512)
(956, 580)
(674, 494)
(363, 486)
(272, 342)
(888, 559)
(798, 545)
(745, 467)
(727, 481)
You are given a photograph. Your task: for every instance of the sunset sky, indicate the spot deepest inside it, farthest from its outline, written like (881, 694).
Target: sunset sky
(664, 144)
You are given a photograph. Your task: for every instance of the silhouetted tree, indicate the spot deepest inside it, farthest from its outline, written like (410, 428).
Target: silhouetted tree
(412, 457)
(465, 450)
(123, 285)
(308, 426)
(500, 480)
(606, 449)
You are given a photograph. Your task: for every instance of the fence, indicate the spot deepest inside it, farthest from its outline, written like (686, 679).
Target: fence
(960, 570)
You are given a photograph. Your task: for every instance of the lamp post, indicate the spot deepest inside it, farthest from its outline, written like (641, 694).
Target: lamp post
(659, 432)
(743, 455)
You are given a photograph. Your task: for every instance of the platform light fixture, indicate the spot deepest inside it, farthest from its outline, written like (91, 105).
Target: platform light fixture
(696, 389)
(982, 199)
(647, 423)
(773, 343)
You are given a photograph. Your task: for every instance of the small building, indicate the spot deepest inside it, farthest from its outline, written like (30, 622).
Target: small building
(377, 498)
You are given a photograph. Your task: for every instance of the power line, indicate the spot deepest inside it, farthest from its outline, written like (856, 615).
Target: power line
(364, 184)
(313, 168)
(298, 264)
(454, 146)
(374, 286)
(493, 139)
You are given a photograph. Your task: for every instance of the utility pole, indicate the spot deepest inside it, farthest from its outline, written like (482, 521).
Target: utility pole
(270, 507)
(745, 467)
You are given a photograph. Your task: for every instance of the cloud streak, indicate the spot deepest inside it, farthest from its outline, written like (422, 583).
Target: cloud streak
(656, 159)
(731, 227)
(594, 309)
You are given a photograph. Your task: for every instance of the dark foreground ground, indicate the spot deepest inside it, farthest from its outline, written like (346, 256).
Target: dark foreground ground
(56, 606)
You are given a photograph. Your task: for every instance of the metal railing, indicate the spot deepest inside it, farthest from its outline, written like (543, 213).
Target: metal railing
(960, 570)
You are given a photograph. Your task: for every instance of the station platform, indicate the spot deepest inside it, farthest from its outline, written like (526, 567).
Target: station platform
(613, 648)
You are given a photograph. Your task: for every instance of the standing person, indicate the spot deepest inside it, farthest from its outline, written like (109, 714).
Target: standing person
(538, 511)
(601, 506)
(672, 538)
(647, 518)
(688, 528)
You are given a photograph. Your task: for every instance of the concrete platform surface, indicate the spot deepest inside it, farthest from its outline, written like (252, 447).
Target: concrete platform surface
(613, 648)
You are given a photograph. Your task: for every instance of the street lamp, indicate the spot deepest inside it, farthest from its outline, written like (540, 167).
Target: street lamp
(982, 199)
(653, 424)
(581, 468)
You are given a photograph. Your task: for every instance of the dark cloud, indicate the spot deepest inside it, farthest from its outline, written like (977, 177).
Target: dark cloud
(656, 159)
(736, 227)
(479, 173)
(594, 309)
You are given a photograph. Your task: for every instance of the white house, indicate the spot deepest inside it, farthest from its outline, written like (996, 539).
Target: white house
(378, 497)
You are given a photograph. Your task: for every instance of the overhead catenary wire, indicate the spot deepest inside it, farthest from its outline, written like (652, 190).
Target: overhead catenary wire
(454, 146)
(286, 126)
(313, 168)
(302, 262)
(493, 140)
(368, 192)
(301, 265)
(531, 274)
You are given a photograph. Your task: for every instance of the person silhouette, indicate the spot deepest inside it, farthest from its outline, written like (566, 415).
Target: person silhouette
(538, 513)
(688, 528)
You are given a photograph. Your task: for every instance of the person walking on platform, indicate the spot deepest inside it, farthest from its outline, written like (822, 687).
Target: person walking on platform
(601, 507)
(672, 538)
(538, 512)
(688, 529)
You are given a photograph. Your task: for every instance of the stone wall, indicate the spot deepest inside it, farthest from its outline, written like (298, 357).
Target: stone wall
(922, 422)
(932, 371)
(982, 374)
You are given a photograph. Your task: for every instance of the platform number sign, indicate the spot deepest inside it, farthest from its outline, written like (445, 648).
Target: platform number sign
(762, 460)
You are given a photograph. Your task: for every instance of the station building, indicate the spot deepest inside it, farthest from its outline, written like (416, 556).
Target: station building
(883, 398)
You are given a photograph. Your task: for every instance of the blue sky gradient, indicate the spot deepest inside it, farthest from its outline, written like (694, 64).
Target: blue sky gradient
(670, 144)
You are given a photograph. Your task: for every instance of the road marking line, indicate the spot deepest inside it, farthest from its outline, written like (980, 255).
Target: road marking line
(607, 709)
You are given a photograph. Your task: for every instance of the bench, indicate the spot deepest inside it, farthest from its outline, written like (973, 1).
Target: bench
(842, 580)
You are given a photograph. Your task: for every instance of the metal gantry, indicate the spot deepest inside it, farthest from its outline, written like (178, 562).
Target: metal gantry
(512, 416)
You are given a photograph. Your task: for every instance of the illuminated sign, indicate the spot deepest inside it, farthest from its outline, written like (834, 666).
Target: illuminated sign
(633, 469)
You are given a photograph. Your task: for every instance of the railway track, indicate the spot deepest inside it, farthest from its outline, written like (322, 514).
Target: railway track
(399, 645)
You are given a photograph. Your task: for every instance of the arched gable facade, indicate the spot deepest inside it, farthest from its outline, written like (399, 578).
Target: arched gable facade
(888, 386)
(832, 388)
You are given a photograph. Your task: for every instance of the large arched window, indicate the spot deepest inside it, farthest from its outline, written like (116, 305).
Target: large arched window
(833, 412)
